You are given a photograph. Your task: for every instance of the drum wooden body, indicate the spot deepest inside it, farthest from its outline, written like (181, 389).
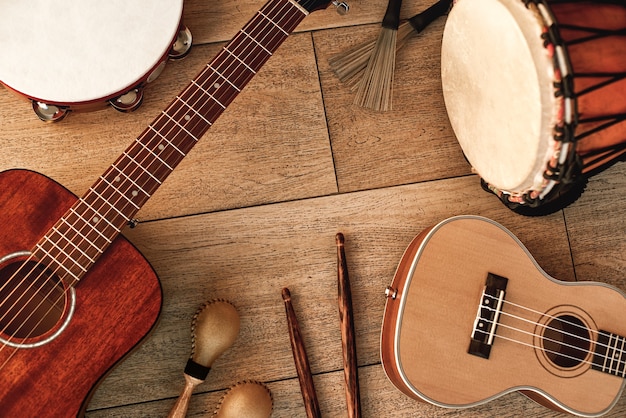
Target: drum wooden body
(83, 55)
(536, 94)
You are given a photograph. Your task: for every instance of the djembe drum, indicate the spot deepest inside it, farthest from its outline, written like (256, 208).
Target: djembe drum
(536, 94)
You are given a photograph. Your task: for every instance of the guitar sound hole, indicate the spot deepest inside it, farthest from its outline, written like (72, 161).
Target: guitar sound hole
(566, 341)
(32, 300)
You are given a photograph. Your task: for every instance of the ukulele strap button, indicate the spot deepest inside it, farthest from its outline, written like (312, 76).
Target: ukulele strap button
(390, 292)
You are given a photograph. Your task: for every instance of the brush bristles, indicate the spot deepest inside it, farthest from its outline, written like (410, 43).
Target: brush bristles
(375, 88)
(349, 65)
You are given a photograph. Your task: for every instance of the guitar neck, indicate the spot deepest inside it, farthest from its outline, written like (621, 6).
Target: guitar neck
(77, 240)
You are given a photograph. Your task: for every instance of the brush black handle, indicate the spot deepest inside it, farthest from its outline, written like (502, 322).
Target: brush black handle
(421, 20)
(391, 20)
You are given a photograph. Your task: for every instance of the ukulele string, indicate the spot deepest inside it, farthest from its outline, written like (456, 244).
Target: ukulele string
(556, 330)
(153, 151)
(563, 321)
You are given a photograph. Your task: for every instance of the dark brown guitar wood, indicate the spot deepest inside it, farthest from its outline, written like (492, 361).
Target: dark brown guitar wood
(118, 303)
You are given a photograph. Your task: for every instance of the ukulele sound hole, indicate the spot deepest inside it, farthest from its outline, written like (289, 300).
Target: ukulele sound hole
(566, 341)
(32, 300)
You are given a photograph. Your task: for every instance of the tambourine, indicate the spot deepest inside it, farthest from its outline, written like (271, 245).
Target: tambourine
(536, 94)
(83, 55)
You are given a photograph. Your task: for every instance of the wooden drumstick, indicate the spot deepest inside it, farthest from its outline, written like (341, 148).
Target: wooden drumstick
(301, 360)
(348, 340)
(213, 330)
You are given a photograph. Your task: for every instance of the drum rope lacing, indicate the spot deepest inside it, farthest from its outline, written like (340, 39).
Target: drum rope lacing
(567, 166)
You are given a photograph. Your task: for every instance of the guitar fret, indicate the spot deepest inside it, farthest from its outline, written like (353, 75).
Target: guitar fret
(91, 224)
(160, 135)
(120, 193)
(145, 170)
(181, 126)
(153, 153)
(224, 78)
(273, 23)
(162, 147)
(92, 228)
(210, 95)
(240, 60)
(63, 236)
(109, 204)
(98, 217)
(180, 109)
(255, 41)
(61, 251)
(46, 258)
(130, 180)
(84, 238)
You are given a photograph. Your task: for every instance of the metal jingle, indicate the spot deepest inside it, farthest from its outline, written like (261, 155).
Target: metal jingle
(49, 113)
(182, 45)
(128, 101)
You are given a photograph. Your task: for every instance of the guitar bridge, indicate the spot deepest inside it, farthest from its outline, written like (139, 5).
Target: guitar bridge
(487, 316)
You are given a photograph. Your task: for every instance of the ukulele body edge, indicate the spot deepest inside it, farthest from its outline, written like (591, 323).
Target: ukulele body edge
(427, 328)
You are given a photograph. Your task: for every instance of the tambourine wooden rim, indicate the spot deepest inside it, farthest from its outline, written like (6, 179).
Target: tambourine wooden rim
(80, 54)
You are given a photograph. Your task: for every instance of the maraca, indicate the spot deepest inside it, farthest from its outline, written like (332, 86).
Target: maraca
(213, 330)
(250, 399)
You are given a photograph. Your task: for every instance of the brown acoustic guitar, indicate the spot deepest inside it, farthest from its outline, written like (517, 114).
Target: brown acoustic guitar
(75, 296)
(471, 316)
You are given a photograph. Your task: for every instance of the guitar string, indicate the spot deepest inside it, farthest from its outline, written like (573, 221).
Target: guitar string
(558, 331)
(203, 73)
(144, 160)
(194, 138)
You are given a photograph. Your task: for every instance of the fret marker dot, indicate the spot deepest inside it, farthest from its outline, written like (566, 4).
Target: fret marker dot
(187, 117)
(134, 193)
(117, 179)
(95, 219)
(217, 85)
(161, 147)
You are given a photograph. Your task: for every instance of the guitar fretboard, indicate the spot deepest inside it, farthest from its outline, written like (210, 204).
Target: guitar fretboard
(78, 239)
(610, 354)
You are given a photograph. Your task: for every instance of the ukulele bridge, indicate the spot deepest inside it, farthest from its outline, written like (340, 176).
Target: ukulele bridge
(488, 315)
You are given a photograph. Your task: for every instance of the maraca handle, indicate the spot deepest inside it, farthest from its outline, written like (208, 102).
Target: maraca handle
(180, 407)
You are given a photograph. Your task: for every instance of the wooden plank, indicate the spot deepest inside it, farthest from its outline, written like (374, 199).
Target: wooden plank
(256, 153)
(414, 142)
(596, 225)
(219, 21)
(248, 255)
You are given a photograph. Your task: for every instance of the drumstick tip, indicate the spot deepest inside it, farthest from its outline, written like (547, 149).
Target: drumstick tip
(339, 239)
(286, 294)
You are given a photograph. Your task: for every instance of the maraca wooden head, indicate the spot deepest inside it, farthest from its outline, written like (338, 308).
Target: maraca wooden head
(248, 399)
(213, 330)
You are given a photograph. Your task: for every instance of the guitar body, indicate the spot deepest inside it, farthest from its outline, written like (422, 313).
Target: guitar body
(117, 303)
(439, 289)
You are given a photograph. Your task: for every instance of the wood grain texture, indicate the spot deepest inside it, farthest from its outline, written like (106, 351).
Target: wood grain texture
(256, 205)
(348, 339)
(117, 303)
(300, 358)
(439, 297)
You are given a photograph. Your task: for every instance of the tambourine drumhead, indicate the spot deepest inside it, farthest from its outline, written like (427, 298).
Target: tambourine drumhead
(498, 89)
(84, 50)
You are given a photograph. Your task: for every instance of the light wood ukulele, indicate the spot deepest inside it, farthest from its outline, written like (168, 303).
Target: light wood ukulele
(470, 316)
(75, 296)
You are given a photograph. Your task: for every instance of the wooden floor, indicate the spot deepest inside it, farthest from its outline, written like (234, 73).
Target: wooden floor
(256, 205)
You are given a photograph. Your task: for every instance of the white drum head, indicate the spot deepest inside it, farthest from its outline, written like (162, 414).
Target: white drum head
(83, 50)
(498, 89)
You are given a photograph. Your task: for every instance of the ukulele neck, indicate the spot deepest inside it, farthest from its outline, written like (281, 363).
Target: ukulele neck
(610, 354)
(77, 240)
